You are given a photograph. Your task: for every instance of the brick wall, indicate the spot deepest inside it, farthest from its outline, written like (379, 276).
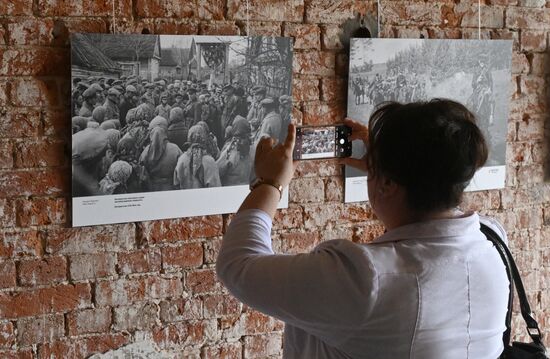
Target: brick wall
(70, 293)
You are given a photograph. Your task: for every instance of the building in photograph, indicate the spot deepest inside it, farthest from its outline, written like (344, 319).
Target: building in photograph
(87, 60)
(136, 55)
(174, 63)
(214, 51)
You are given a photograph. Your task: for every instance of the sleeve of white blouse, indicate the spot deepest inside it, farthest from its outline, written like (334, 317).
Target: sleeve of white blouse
(334, 285)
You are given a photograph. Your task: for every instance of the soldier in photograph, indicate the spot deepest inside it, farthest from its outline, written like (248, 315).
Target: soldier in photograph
(163, 109)
(234, 160)
(230, 107)
(127, 101)
(285, 110)
(258, 94)
(88, 105)
(111, 104)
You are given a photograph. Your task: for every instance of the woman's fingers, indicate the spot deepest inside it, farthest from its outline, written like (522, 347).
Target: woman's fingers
(290, 138)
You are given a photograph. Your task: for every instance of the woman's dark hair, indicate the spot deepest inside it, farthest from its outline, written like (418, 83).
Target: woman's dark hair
(432, 149)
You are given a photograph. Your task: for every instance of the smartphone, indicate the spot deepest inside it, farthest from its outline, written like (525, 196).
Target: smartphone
(322, 142)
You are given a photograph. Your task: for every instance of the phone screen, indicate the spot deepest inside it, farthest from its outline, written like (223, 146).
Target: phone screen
(317, 142)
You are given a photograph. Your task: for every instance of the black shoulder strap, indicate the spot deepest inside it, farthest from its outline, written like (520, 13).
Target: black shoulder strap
(515, 279)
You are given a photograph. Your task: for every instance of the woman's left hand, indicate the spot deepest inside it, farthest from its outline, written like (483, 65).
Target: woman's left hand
(274, 161)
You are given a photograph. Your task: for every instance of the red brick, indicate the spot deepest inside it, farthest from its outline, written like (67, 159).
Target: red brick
(322, 113)
(203, 282)
(314, 63)
(305, 89)
(18, 122)
(84, 8)
(262, 28)
(317, 215)
(19, 354)
(218, 28)
(256, 323)
(56, 123)
(8, 277)
(7, 213)
(142, 316)
(520, 63)
(261, 346)
(539, 64)
(335, 12)
(63, 27)
(92, 266)
(417, 14)
(176, 335)
(299, 242)
(291, 217)
(30, 31)
(43, 329)
(527, 18)
(174, 230)
(41, 211)
(127, 291)
(275, 10)
(167, 8)
(183, 256)
(491, 16)
(46, 300)
(16, 7)
(89, 321)
(40, 153)
(334, 189)
(323, 168)
(34, 92)
(6, 154)
(175, 27)
(141, 261)
(331, 37)
(181, 309)
(333, 89)
(34, 182)
(7, 335)
(98, 239)
(19, 243)
(211, 10)
(223, 351)
(534, 40)
(45, 271)
(211, 250)
(306, 36)
(531, 129)
(307, 190)
(83, 347)
(220, 305)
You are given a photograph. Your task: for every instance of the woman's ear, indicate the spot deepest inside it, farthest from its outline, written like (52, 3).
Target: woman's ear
(388, 187)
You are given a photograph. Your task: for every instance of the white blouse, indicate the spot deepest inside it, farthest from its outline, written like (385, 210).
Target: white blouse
(436, 289)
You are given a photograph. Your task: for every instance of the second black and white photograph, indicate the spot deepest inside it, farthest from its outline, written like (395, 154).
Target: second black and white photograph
(475, 73)
(159, 113)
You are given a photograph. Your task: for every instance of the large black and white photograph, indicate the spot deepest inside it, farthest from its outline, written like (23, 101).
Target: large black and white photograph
(476, 73)
(166, 126)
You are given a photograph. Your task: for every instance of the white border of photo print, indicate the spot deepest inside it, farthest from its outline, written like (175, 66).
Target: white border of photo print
(231, 73)
(407, 70)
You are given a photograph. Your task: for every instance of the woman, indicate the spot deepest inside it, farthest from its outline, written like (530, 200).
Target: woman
(196, 168)
(431, 287)
(159, 161)
(115, 180)
(234, 162)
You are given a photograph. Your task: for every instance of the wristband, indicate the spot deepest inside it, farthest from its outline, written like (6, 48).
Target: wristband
(260, 181)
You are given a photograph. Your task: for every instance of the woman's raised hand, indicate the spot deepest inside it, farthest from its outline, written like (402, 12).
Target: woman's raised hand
(274, 161)
(359, 131)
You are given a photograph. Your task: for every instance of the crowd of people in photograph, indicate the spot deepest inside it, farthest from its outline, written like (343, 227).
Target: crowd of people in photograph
(322, 141)
(395, 86)
(132, 135)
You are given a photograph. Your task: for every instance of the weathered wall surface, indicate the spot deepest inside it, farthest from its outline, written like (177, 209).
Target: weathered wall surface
(72, 293)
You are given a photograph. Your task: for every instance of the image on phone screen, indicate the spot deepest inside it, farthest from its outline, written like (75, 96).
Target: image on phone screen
(317, 142)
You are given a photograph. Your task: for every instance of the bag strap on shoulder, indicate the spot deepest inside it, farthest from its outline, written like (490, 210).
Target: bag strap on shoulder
(515, 280)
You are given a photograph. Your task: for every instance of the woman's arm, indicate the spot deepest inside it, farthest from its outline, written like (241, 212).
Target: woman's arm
(272, 163)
